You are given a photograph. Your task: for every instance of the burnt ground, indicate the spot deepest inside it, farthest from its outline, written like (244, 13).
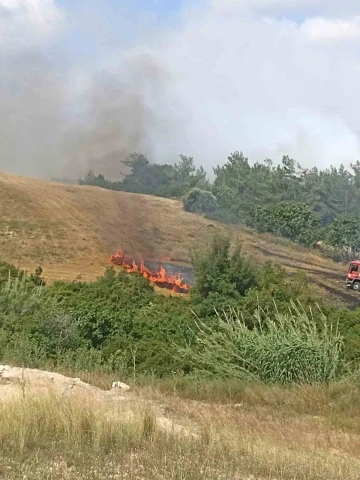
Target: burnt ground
(330, 283)
(334, 285)
(173, 269)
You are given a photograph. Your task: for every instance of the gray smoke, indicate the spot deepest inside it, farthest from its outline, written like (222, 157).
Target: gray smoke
(60, 119)
(118, 120)
(31, 121)
(42, 134)
(228, 76)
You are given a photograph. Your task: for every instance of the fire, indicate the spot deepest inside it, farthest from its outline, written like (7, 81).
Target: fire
(160, 277)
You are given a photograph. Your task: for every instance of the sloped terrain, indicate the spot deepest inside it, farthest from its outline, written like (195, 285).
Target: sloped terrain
(72, 230)
(57, 427)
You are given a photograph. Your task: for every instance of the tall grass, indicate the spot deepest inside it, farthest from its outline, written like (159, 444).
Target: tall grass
(35, 420)
(287, 349)
(45, 436)
(20, 297)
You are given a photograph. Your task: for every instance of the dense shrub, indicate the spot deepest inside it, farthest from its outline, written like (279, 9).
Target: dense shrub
(293, 220)
(9, 272)
(199, 201)
(221, 274)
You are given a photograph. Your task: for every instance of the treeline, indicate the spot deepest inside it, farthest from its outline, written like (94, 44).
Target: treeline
(304, 205)
(169, 181)
(119, 324)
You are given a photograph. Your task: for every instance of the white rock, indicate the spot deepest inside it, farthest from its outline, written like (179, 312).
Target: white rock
(120, 385)
(4, 368)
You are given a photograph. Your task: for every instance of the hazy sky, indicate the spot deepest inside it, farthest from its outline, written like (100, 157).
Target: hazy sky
(83, 83)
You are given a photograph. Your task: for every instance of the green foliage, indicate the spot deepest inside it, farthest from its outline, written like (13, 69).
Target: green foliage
(240, 187)
(349, 327)
(275, 292)
(288, 200)
(222, 276)
(154, 179)
(199, 201)
(284, 349)
(344, 234)
(118, 323)
(9, 271)
(106, 307)
(283, 199)
(95, 180)
(292, 220)
(331, 192)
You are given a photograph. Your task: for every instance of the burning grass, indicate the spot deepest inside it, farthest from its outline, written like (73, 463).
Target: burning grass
(160, 278)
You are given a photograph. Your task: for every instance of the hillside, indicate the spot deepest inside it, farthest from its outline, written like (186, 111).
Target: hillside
(65, 429)
(72, 230)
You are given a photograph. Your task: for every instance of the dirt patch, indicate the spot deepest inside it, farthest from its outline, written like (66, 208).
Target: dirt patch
(16, 381)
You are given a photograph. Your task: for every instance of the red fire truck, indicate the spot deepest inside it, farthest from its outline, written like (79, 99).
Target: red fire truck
(353, 275)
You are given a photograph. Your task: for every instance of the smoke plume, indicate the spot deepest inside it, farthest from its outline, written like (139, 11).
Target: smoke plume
(57, 119)
(118, 120)
(83, 86)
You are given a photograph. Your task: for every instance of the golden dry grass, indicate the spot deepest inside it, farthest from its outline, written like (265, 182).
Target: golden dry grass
(301, 434)
(71, 231)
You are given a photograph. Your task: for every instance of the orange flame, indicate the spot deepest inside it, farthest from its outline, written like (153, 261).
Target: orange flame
(160, 278)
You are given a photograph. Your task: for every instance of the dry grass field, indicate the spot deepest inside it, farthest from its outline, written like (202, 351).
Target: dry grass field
(51, 431)
(72, 230)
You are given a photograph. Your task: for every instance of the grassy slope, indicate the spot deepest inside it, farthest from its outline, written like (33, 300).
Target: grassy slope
(72, 230)
(258, 433)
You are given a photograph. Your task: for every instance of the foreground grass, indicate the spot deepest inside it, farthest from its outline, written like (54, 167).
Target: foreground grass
(159, 432)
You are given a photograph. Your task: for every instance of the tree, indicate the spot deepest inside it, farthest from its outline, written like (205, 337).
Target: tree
(145, 177)
(162, 180)
(186, 177)
(331, 192)
(293, 220)
(344, 234)
(230, 185)
(95, 180)
(241, 187)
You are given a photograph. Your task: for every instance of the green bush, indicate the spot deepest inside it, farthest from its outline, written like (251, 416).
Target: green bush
(220, 272)
(199, 201)
(343, 235)
(9, 271)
